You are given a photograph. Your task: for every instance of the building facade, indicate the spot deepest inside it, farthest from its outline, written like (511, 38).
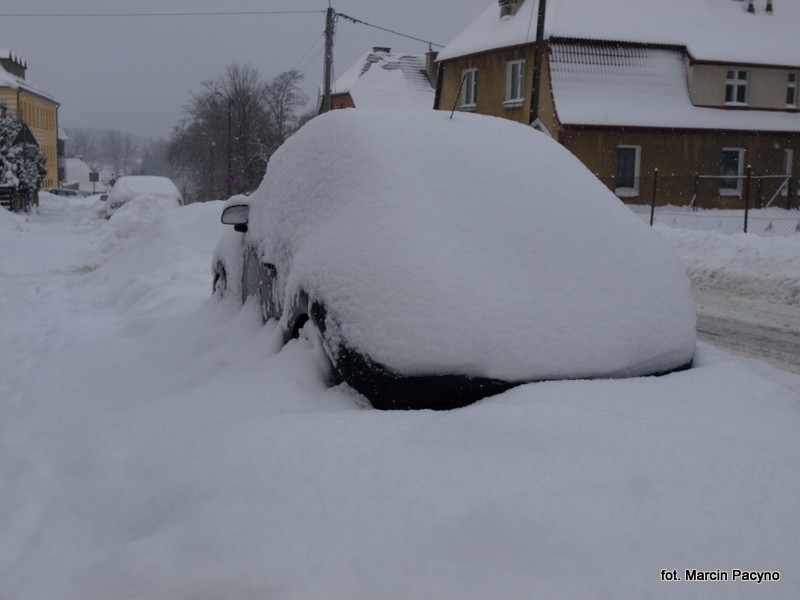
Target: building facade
(658, 94)
(38, 110)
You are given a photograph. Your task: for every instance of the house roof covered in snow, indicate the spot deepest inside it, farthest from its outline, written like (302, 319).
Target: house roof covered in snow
(9, 80)
(711, 30)
(641, 87)
(380, 79)
(77, 171)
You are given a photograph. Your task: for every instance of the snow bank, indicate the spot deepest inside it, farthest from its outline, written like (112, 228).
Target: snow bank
(170, 451)
(140, 253)
(9, 221)
(469, 245)
(744, 265)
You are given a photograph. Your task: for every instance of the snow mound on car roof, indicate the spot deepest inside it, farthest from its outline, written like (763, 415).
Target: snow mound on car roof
(470, 245)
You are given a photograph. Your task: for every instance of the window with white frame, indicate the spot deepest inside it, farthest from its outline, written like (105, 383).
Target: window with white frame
(515, 83)
(469, 88)
(731, 170)
(627, 176)
(791, 90)
(736, 88)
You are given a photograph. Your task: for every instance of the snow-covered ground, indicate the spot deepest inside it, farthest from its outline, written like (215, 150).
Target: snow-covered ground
(742, 270)
(155, 442)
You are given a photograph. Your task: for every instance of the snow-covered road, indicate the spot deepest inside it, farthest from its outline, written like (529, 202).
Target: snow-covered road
(747, 291)
(155, 443)
(779, 347)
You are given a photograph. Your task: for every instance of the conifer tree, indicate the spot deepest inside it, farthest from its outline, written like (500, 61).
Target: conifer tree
(22, 165)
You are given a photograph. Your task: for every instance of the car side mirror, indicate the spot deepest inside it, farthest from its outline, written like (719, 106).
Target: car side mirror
(236, 215)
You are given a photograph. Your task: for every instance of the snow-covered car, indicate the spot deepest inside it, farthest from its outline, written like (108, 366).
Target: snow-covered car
(68, 193)
(129, 187)
(441, 260)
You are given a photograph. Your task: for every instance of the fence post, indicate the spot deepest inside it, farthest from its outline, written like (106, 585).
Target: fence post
(789, 193)
(759, 194)
(655, 190)
(747, 196)
(696, 190)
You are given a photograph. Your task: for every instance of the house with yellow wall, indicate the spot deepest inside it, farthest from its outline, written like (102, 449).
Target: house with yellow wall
(37, 109)
(684, 96)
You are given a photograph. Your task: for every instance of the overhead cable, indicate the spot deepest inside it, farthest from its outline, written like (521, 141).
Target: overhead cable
(411, 37)
(163, 14)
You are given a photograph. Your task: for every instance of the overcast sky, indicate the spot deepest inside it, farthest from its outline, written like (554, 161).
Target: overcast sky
(136, 73)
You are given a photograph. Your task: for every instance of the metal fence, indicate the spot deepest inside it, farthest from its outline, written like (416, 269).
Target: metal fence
(761, 221)
(14, 200)
(767, 205)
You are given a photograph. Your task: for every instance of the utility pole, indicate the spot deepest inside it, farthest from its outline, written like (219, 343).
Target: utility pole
(330, 20)
(537, 64)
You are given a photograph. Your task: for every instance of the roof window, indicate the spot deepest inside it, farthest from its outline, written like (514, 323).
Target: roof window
(508, 8)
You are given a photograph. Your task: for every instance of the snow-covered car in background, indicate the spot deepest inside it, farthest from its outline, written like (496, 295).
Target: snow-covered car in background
(440, 260)
(67, 193)
(129, 187)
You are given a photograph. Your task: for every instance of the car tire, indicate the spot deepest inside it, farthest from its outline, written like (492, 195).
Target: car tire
(310, 326)
(220, 280)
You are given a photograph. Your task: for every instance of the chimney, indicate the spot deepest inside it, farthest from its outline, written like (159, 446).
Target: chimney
(750, 7)
(13, 64)
(430, 66)
(769, 7)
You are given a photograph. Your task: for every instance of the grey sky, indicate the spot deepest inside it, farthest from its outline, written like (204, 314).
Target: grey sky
(135, 74)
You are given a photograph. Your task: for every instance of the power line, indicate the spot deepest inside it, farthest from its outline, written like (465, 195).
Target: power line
(237, 13)
(411, 37)
(310, 61)
(162, 14)
(302, 59)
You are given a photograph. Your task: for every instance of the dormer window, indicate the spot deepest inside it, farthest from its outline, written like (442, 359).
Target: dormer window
(736, 88)
(791, 91)
(509, 8)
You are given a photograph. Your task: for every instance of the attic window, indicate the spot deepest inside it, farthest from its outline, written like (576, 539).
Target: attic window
(791, 91)
(736, 88)
(509, 8)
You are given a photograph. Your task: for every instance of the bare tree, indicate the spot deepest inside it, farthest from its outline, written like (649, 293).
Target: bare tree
(154, 159)
(230, 121)
(283, 98)
(112, 150)
(83, 143)
(128, 151)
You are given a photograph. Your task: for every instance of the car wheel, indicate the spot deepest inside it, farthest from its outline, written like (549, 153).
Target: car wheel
(309, 326)
(220, 280)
